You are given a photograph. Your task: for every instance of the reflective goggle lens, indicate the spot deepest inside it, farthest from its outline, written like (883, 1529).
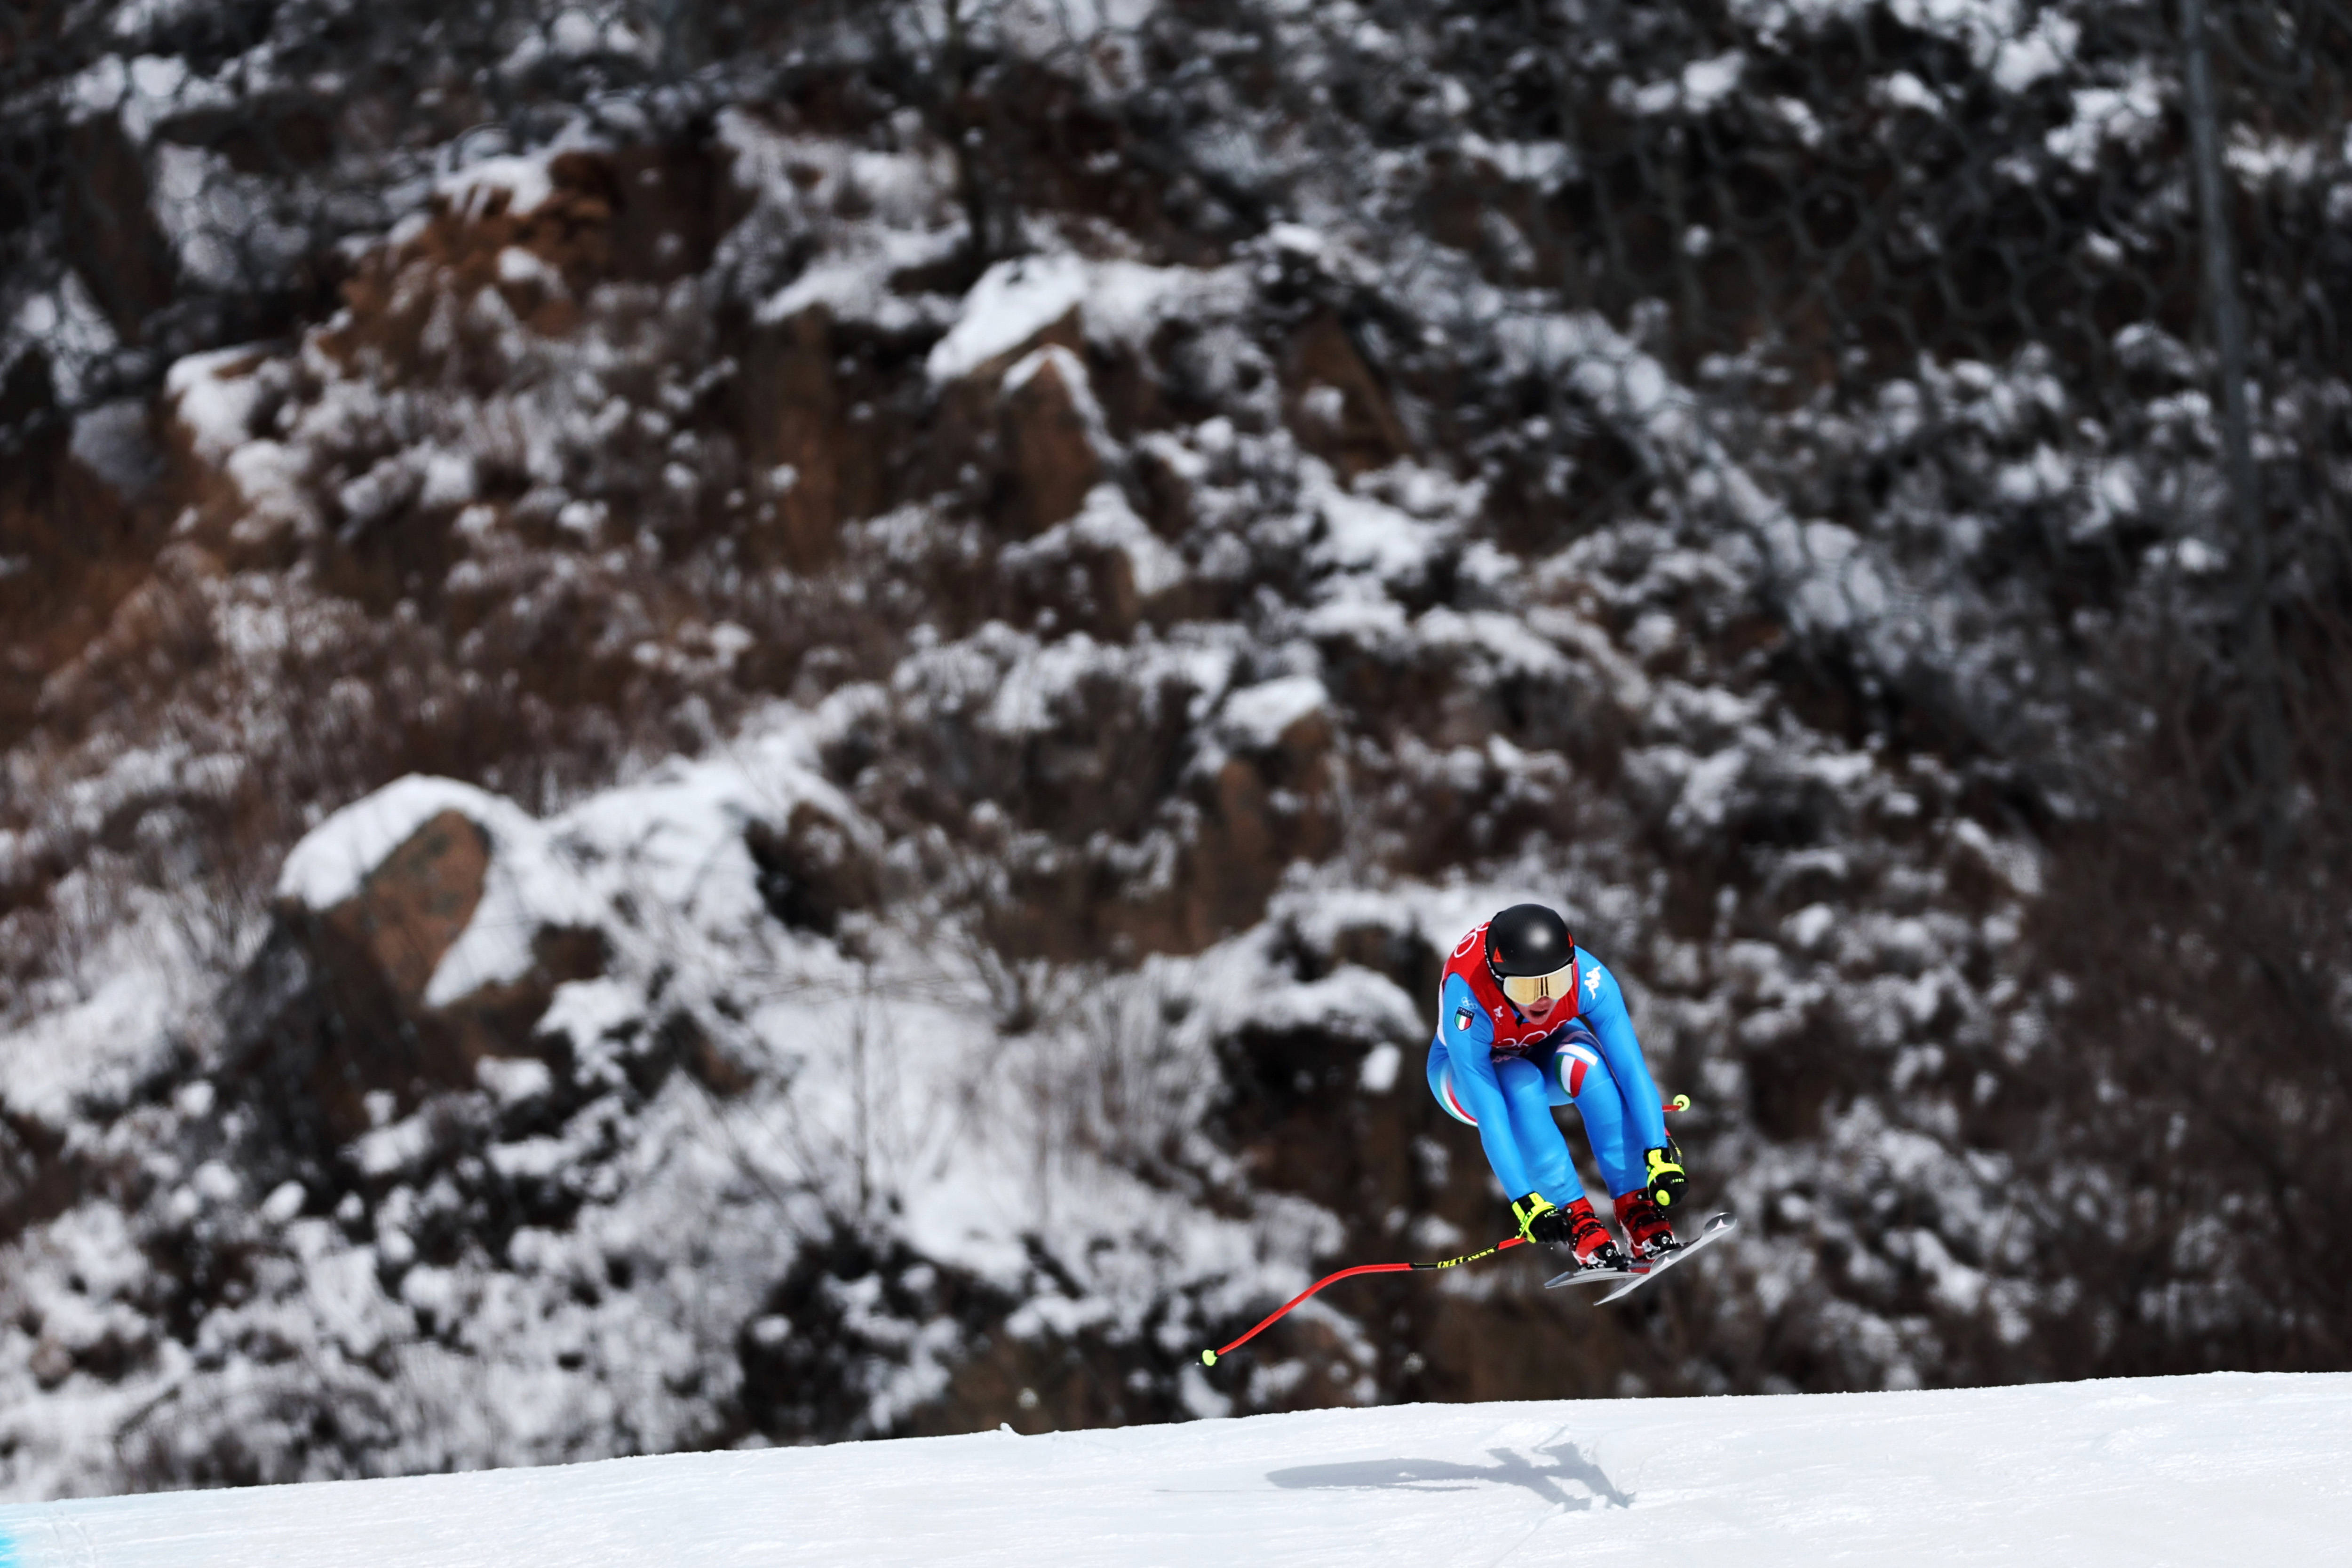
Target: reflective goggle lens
(1528, 990)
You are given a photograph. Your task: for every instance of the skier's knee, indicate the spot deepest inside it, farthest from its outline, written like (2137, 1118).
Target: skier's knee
(1441, 1084)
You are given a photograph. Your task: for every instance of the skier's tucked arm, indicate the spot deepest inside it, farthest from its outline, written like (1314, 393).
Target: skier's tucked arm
(1603, 1011)
(1469, 1038)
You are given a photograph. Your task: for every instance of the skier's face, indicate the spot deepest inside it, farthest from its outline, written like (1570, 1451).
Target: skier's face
(1537, 995)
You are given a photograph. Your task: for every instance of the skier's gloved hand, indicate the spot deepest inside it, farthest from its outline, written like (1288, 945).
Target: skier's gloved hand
(1540, 1220)
(1667, 1178)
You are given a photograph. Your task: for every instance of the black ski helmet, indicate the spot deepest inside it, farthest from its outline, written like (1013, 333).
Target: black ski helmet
(1528, 940)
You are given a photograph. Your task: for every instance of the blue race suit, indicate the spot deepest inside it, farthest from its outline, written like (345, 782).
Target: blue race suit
(1590, 1060)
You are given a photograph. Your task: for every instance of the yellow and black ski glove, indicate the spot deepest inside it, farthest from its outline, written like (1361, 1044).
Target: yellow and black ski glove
(1667, 1178)
(1540, 1220)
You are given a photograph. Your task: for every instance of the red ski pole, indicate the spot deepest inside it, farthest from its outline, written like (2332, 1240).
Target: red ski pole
(1209, 1357)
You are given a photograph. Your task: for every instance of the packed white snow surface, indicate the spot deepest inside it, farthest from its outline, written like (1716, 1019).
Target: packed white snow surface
(2222, 1468)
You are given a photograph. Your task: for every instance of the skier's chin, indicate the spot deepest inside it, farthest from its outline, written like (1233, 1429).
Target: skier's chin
(1536, 1014)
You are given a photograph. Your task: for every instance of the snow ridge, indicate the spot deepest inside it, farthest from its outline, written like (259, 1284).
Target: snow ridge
(2091, 1475)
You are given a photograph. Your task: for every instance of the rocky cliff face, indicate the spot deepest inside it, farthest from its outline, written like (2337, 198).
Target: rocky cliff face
(802, 771)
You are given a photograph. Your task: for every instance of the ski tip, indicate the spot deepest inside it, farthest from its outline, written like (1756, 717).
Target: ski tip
(1208, 1358)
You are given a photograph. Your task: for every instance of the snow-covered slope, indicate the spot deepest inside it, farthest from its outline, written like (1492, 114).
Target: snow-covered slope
(2169, 1470)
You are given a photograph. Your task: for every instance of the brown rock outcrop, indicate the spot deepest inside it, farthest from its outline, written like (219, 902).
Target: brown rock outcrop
(355, 1020)
(818, 467)
(645, 216)
(71, 550)
(1051, 461)
(1271, 808)
(111, 238)
(1337, 406)
(1260, 810)
(413, 908)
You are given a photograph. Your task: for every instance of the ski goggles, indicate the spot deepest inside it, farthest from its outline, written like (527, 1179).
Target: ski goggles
(1534, 990)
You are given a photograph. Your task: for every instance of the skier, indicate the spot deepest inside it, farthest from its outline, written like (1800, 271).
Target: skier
(1525, 1023)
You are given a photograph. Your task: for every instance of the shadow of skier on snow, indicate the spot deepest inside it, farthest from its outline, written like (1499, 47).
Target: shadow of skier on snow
(1509, 1468)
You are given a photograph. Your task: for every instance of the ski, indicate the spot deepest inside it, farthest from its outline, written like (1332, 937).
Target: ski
(1589, 1276)
(1716, 1227)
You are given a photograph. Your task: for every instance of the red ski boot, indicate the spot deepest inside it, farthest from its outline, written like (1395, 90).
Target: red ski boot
(1648, 1235)
(1594, 1247)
